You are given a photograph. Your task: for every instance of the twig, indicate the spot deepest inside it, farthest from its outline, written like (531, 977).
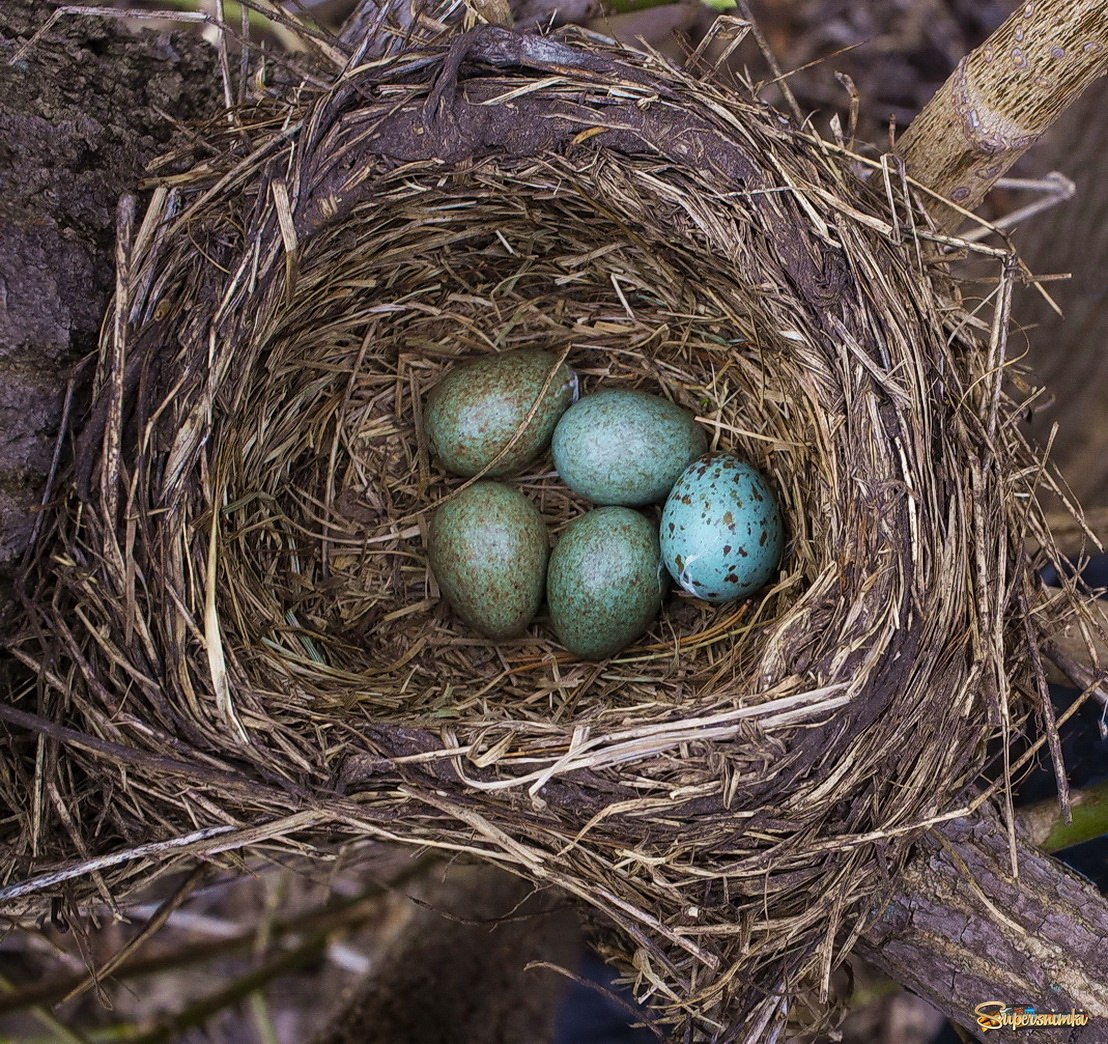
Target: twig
(327, 919)
(149, 929)
(1050, 832)
(197, 1014)
(771, 60)
(1053, 189)
(22, 888)
(1002, 98)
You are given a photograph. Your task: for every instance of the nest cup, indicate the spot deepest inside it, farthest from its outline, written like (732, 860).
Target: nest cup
(246, 609)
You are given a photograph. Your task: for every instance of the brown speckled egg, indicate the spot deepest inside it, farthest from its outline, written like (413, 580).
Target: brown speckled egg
(488, 550)
(606, 581)
(474, 411)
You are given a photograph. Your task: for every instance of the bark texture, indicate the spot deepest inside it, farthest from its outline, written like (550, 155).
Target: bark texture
(1003, 96)
(960, 931)
(466, 980)
(80, 115)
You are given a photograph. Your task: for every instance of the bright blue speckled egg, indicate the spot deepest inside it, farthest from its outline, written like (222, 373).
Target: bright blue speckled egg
(722, 533)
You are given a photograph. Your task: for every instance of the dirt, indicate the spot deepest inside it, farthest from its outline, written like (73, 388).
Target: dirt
(81, 113)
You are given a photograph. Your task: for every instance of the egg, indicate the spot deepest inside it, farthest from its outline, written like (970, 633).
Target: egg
(625, 447)
(606, 581)
(474, 411)
(721, 533)
(488, 549)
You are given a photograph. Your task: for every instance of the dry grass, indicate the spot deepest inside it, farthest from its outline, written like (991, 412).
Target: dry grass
(237, 641)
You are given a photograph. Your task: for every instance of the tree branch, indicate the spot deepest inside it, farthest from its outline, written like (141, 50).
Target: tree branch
(1048, 830)
(1002, 97)
(960, 930)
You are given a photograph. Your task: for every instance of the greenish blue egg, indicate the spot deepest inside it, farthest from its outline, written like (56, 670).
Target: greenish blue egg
(722, 533)
(488, 549)
(474, 411)
(620, 446)
(606, 581)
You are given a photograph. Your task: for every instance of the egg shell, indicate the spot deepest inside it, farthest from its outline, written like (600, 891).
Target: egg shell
(474, 411)
(722, 534)
(606, 581)
(627, 447)
(488, 548)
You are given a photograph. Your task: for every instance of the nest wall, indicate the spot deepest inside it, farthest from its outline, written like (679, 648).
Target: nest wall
(240, 643)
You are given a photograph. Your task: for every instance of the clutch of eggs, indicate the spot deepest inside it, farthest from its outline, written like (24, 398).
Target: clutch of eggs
(721, 533)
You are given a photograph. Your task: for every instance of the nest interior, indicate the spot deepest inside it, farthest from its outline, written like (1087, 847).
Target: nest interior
(240, 644)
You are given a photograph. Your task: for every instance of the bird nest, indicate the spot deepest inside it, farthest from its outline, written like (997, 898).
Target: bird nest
(236, 639)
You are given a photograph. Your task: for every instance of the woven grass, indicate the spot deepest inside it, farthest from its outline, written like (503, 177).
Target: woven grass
(238, 646)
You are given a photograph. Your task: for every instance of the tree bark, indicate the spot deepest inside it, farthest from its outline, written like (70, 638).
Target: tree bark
(960, 931)
(81, 113)
(1002, 98)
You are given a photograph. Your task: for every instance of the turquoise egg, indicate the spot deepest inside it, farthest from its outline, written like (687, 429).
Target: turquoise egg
(722, 533)
(488, 549)
(619, 446)
(606, 581)
(474, 411)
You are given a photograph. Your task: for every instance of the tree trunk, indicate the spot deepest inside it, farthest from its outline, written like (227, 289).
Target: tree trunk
(81, 113)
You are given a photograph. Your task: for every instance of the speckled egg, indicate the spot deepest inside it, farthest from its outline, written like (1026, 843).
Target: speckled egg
(474, 411)
(722, 533)
(606, 581)
(488, 549)
(620, 446)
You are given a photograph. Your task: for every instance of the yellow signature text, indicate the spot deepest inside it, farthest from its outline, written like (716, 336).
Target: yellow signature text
(994, 1015)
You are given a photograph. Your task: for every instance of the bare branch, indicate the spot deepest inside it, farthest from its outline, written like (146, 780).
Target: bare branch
(1003, 96)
